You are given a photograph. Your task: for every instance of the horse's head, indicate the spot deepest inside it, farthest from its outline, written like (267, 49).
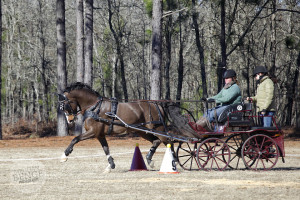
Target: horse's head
(69, 106)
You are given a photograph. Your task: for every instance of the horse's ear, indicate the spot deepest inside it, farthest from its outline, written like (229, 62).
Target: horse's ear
(61, 97)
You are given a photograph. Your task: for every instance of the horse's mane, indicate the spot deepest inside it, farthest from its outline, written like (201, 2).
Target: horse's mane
(80, 86)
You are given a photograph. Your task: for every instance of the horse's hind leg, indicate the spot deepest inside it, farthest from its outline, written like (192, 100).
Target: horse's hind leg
(151, 152)
(172, 150)
(69, 149)
(110, 159)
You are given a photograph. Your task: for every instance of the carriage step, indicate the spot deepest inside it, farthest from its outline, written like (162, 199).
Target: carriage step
(272, 128)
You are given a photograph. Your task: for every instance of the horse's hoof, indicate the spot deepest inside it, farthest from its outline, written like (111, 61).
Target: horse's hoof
(107, 170)
(151, 164)
(63, 158)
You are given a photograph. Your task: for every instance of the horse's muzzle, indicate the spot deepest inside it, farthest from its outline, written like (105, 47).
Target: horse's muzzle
(70, 119)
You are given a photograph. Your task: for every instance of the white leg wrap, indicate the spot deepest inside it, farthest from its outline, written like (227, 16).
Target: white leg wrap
(63, 158)
(107, 169)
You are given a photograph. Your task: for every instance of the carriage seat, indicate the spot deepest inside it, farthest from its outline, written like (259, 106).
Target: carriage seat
(235, 114)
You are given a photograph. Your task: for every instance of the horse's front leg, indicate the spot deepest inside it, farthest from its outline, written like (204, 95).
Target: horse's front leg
(110, 159)
(90, 133)
(151, 152)
(69, 149)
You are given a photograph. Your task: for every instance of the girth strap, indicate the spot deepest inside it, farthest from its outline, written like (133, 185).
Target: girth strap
(114, 106)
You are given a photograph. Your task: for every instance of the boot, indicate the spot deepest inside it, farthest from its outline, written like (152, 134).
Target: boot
(203, 122)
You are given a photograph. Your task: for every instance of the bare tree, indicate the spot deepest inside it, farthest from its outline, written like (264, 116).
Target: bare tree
(80, 41)
(156, 50)
(118, 36)
(61, 63)
(0, 69)
(180, 67)
(80, 57)
(88, 71)
(200, 50)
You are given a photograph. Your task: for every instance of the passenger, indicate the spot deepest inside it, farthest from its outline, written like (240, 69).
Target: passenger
(230, 94)
(264, 97)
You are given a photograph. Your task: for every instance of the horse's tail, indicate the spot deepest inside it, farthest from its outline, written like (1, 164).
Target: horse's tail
(178, 123)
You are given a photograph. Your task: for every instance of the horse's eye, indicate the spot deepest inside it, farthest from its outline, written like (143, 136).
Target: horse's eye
(68, 108)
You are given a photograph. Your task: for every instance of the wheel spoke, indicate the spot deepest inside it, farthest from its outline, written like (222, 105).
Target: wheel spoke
(183, 156)
(187, 160)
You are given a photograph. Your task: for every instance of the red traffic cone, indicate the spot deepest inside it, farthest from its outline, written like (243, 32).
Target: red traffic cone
(168, 165)
(138, 163)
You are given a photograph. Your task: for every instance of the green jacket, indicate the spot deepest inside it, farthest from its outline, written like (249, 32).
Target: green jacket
(228, 95)
(265, 95)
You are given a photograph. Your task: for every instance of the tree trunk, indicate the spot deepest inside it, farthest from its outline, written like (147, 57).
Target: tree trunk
(80, 41)
(80, 58)
(297, 96)
(168, 37)
(124, 85)
(61, 63)
(156, 50)
(118, 39)
(201, 52)
(180, 63)
(0, 69)
(223, 60)
(88, 72)
(273, 39)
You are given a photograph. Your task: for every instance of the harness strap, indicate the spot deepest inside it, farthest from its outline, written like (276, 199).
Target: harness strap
(114, 106)
(161, 119)
(93, 112)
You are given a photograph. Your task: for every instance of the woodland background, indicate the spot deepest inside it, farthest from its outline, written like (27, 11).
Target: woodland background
(199, 40)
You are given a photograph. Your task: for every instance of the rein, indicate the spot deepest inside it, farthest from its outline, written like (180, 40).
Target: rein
(162, 101)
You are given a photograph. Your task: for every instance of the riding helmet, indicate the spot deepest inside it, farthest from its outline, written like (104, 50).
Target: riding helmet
(259, 69)
(229, 73)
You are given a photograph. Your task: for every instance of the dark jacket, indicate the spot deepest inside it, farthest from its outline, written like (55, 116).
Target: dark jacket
(230, 94)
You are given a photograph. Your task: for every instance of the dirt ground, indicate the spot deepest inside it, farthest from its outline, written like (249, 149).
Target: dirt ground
(31, 169)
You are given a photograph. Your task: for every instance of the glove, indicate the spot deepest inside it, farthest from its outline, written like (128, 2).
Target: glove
(263, 112)
(204, 99)
(210, 100)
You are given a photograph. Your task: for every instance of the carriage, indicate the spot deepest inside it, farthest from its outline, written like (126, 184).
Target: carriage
(238, 139)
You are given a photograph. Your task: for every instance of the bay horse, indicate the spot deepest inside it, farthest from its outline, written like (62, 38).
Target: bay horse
(81, 98)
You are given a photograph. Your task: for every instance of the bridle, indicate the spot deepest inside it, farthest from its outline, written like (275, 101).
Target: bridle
(65, 105)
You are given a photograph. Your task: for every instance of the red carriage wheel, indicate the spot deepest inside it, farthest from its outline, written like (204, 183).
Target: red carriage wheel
(186, 156)
(213, 154)
(260, 152)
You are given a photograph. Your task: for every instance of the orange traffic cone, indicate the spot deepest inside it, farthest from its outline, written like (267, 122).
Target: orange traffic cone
(168, 165)
(138, 163)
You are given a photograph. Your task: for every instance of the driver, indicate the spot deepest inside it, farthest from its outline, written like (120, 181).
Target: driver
(230, 94)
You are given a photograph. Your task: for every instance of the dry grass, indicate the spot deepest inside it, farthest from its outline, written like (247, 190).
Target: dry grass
(81, 176)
